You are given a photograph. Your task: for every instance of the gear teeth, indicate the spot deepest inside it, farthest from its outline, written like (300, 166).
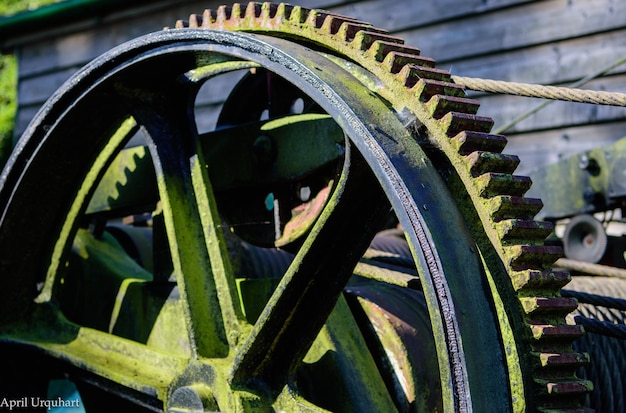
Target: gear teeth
(562, 395)
(411, 74)
(251, 10)
(439, 105)
(297, 15)
(237, 12)
(554, 379)
(195, 21)
(492, 184)
(364, 40)
(425, 89)
(272, 11)
(532, 256)
(514, 230)
(540, 279)
(548, 305)
(380, 49)
(569, 388)
(316, 18)
(481, 162)
(456, 122)
(477, 156)
(223, 13)
(417, 65)
(507, 207)
(466, 142)
(346, 29)
(208, 18)
(559, 332)
(559, 360)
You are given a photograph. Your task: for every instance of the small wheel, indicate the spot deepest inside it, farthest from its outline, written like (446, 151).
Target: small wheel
(372, 143)
(585, 239)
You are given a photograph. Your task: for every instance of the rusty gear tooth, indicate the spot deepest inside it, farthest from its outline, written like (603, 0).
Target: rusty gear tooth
(285, 11)
(559, 360)
(298, 15)
(569, 388)
(562, 395)
(347, 31)
(516, 230)
(530, 280)
(481, 162)
(223, 13)
(491, 184)
(559, 306)
(419, 66)
(507, 207)
(425, 89)
(316, 18)
(380, 49)
(439, 105)
(195, 21)
(346, 28)
(208, 18)
(235, 11)
(252, 11)
(532, 256)
(271, 10)
(411, 74)
(466, 142)
(455, 122)
(556, 332)
(365, 39)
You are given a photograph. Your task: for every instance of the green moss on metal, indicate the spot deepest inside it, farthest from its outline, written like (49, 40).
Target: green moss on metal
(8, 88)
(62, 243)
(11, 7)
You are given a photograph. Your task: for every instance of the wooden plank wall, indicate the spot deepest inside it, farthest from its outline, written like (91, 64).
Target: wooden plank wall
(548, 42)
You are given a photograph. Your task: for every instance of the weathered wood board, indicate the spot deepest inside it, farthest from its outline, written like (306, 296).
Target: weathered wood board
(546, 42)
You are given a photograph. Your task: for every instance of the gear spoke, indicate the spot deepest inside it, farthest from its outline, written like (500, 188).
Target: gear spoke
(313, 282)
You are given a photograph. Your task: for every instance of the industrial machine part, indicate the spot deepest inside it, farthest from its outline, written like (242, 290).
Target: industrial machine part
(576, 188)
(584, 239)
(347, 237)
(584, 183)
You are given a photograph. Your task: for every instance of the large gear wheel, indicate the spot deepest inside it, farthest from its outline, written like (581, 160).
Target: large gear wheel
(338, 132)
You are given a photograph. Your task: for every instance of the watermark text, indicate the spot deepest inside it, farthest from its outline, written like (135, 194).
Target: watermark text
(23, 403)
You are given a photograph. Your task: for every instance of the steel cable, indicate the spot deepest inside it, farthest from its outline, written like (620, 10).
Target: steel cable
(600, 312)
(596, 299)
(589, 268)
(604, 328)
(542, 91)
(542, 105)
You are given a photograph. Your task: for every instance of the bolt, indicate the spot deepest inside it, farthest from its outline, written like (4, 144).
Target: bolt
(589, 164)
(263, 150)
(584, 162)
(589, 195)
(196, 398)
